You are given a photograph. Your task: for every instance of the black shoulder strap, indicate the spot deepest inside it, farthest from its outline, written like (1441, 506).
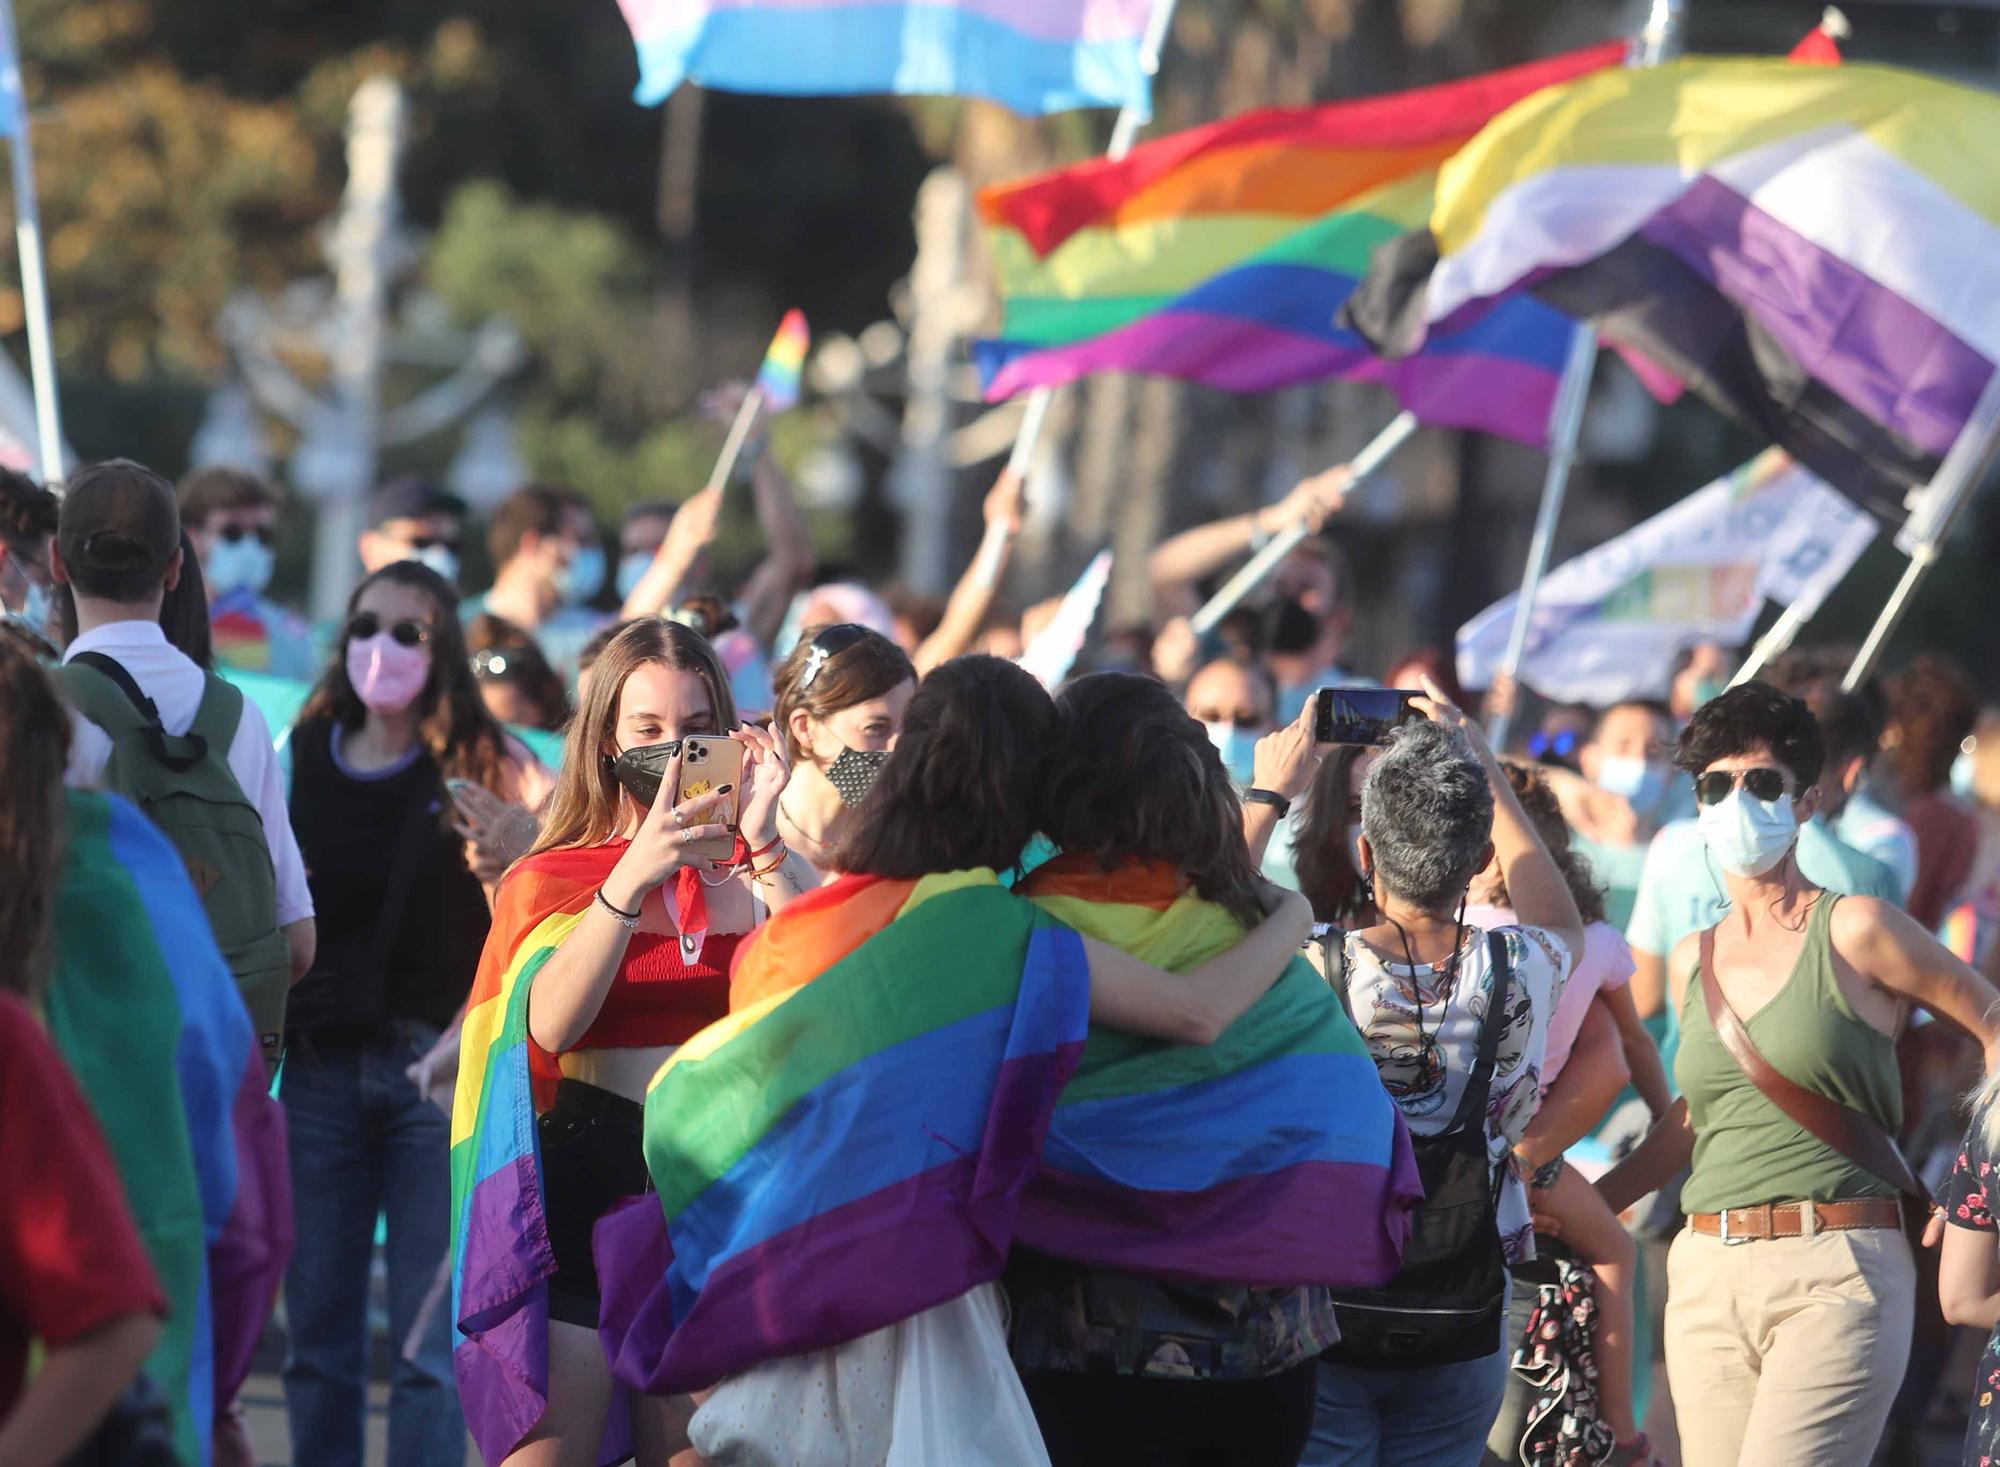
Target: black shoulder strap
(114, 670)
(1333, 964)
(195, 747)
(1479, 1083)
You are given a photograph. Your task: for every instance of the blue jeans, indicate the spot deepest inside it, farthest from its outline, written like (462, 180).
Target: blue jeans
(364, 1144)
(1436, 1417)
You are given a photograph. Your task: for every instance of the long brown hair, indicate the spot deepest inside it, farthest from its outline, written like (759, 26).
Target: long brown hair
(1130, 776)
(959, 790)
(584, 809)
(452, 719)
(870, 666)
(1322, 848)
(1538, 803)
(34, 730)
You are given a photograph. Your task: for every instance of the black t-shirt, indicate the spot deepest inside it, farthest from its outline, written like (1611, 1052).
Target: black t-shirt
(352, 830)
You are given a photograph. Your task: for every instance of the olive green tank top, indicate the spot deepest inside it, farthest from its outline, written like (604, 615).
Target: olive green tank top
(1746, 1150)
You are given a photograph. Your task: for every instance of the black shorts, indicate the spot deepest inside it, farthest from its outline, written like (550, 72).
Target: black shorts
(593, 1158)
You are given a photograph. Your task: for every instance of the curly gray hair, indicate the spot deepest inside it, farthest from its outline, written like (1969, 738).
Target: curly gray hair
(1427, 811)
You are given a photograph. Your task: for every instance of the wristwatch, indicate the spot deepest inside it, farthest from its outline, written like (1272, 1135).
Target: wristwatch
(1276, 801)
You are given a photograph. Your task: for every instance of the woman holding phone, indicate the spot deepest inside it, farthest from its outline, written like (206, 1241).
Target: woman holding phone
(395, 719)
(646, 922)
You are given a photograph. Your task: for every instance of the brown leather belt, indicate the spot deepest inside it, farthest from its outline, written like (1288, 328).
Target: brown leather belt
(1789, 1219)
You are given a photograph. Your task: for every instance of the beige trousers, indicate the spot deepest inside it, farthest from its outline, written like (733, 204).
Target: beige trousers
(1787, 1353)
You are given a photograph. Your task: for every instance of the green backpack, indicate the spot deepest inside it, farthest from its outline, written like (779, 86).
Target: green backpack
(185, 786)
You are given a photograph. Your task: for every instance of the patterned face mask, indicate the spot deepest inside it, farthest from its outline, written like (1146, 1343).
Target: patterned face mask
(853, 773)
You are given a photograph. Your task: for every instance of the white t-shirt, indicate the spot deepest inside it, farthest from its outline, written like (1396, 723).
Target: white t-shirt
(170, 678)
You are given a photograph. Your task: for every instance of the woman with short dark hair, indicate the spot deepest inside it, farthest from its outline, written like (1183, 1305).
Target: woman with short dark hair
(1794, 1344)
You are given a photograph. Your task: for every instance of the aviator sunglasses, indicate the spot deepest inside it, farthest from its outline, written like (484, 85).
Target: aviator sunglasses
(406, 633)
(1713, 787)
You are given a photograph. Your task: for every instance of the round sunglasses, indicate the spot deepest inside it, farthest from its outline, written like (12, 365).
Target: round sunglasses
(406, 633)
(231, 534)
(1714, 787)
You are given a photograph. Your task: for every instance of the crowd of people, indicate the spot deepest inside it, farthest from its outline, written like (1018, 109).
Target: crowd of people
(1668, 1021)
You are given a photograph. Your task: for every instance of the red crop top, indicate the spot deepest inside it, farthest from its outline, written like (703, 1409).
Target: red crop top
(658, 999)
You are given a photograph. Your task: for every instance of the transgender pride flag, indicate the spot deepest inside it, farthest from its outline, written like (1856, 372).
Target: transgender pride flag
(1034, 56)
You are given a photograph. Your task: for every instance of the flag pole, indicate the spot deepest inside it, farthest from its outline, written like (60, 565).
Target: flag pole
(1378, 452)
(1655, 41)
(1772, 643)
(28, 242)
(739, 433)
(1124, 131)
(1937, 509)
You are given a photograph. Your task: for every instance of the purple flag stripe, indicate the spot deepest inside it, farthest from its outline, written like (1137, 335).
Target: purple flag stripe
(1317, 1223)
(1881, 353)
(1046, 20)
(803, 1289)
(1472, 390)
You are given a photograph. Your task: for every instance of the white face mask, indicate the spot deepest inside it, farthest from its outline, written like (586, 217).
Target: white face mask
(440, 558)
(1748, 836)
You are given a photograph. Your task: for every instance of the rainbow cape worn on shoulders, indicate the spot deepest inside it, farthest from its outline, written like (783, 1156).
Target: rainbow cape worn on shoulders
(852, 1144)
(1272, 1156)
(501, 1258)
(883, 1116)
(148, 1016)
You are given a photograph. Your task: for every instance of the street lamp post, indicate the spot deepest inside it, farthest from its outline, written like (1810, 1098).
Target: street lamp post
(344, 427)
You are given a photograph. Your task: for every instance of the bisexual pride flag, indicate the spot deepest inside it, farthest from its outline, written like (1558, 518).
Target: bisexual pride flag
(908, 1085)
(1223, 255)
(1034, 56)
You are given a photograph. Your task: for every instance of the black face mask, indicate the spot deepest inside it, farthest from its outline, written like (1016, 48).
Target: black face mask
(853, 773)
(1289, 627)
(641, 768)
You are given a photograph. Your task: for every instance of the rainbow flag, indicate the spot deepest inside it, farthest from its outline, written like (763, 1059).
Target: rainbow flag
(1815, 250)
(501, 1259)
(1223, 255)
(778, 378)
(907, 1086)
(148, 1016)
(1034, 56)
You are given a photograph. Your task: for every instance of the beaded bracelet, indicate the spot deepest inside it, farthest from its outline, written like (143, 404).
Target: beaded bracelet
(625, 919)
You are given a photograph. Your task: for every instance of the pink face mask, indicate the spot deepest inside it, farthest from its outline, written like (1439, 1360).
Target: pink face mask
(387, 676)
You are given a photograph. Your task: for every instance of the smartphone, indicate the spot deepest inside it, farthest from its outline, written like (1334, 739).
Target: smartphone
(641, 769)
(707, 761)
(1361, 715)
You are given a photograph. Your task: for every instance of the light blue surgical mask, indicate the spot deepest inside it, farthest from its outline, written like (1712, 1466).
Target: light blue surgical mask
(1238, 747)
(440, 558)
(1639, 781)
(632, 570)
(1748, 836)
(583, 578)
(37, 606)
(1964, 770)
(244, 564)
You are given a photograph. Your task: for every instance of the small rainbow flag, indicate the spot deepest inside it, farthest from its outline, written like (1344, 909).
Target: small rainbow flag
(908, 1086)
(784, 364)
(1223, 255)
(149, 1019)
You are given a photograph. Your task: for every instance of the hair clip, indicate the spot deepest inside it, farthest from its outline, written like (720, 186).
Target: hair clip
(816, 658)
